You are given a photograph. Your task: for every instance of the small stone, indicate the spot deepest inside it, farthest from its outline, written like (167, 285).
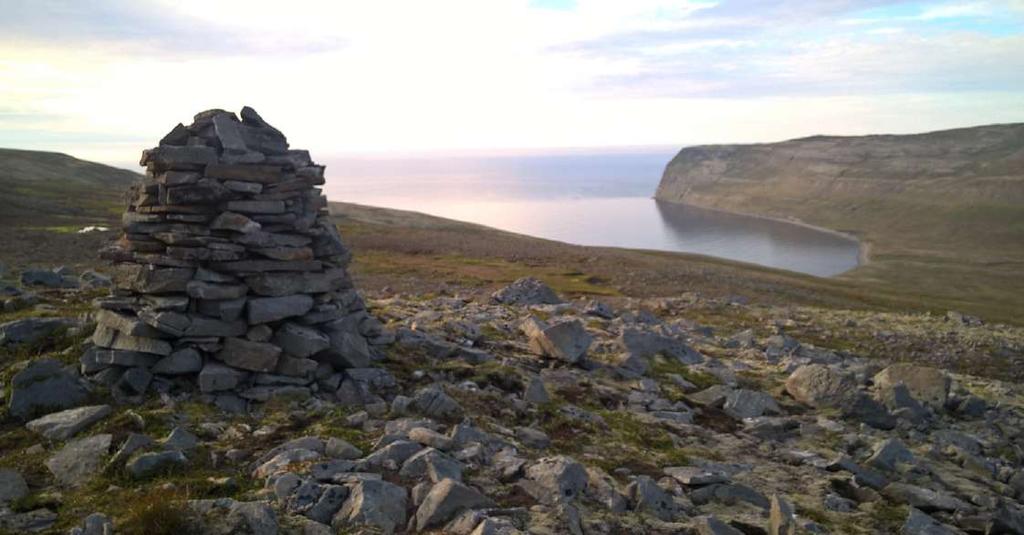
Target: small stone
(782, 519)
(889, 454)
(149, 464)
(533, 438)
(181, 439)
(536, 393)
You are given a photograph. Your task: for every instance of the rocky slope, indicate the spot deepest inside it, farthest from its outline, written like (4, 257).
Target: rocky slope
(521, 412)
(940, 211)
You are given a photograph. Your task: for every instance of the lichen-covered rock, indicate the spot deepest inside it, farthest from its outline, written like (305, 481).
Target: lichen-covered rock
(928, 385)
(820, 386)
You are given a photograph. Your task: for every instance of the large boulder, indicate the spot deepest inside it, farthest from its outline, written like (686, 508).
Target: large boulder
(565, 340)
(526, 291)
(445, 499)
(554, 480)
(820, 386)
(928, 385)
(743, 403)
(44, 387)
(642, 344)
(374, 503)
(79, 460)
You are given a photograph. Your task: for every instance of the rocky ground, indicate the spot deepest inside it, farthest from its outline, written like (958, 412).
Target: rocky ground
(528, 412)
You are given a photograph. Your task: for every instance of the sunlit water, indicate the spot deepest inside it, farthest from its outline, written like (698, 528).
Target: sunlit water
(587, 199)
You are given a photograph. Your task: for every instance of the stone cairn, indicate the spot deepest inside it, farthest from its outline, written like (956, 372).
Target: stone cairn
(229, 275)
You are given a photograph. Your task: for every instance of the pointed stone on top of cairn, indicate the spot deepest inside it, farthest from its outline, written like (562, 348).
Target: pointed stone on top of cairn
(229, 277)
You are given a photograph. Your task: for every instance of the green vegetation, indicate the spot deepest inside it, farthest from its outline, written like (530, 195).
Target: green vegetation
(56, 191)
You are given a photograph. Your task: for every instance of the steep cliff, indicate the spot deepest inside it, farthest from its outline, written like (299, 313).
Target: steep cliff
(980, 164)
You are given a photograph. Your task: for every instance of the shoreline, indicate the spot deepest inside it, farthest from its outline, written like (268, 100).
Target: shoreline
(863, 246)
(861, 256)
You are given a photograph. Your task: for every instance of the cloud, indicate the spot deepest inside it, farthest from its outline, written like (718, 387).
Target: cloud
(736, 49)
(132, 27)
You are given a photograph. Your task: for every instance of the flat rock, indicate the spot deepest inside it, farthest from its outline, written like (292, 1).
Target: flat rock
(79, 460)
(216, 377)
(66, 424)
(248, 355)
(693, 476)
(268, 309)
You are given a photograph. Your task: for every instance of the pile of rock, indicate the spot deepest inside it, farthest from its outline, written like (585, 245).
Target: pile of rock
(229, 273)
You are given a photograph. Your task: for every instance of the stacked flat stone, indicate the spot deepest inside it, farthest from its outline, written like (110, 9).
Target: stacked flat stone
(229, 274)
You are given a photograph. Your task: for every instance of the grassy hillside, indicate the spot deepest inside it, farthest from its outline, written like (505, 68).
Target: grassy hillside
(414, 252)
(942, 213)
(49, 189)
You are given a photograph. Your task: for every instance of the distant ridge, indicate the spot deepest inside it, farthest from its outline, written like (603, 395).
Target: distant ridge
(35, 184)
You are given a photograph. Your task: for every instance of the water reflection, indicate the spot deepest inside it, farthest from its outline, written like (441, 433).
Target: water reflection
(757, 240)
(586, 199)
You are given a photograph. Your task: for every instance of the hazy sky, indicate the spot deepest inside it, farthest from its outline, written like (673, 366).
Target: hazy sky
(104, 79)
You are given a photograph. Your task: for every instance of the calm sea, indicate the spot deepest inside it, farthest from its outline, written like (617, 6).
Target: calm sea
(582, 197)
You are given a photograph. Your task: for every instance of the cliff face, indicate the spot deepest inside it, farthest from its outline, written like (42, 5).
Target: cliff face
(984, 163)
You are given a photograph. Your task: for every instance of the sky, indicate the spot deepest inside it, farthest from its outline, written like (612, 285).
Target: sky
(104, 79)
